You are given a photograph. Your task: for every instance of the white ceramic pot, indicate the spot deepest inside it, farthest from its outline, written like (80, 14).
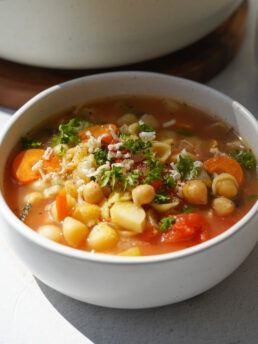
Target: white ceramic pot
(129, 282)
(103, 33)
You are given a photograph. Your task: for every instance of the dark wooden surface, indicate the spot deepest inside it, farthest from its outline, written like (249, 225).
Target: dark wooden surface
(199, 61)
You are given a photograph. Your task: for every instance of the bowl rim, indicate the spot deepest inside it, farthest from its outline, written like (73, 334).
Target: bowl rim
(70, 252)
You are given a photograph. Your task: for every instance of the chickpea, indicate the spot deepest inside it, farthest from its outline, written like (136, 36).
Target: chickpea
(51, 232)
(223, 206)
(33, 198)
(134, 128)
(127, 118)
(75, 232)
(195, 192)
(102, 237)
(150, 120)
(143, 194)
(87, 213)
(92, 193)
(225, 185)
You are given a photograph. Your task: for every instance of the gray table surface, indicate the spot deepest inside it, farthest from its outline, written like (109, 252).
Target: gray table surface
(226, 314)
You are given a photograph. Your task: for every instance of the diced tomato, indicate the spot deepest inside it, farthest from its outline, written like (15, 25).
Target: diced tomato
(108, 139)
(149, 233)
(187, 227)
(98, 130)
(157, 183)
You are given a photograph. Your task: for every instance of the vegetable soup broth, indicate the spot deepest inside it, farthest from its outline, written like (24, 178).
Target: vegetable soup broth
(159, 231)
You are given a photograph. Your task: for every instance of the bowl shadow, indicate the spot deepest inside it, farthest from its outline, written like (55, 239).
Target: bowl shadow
(226, 314)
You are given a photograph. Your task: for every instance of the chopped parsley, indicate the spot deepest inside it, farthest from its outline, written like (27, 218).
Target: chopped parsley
(115, 177)
(28, 142)
(68, 132)
(161, 199)
(188, 209)
(131, 179)
(124, 136)
(166, 223)
(155, 167)
(100, 156)
(145, 128)
(245, 158)
(111, 177)
(62, 151)
(135, 146)
(154, 173)
(185, 166)
(169, 181)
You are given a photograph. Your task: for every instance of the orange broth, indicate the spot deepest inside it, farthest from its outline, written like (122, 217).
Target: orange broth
(190, 135)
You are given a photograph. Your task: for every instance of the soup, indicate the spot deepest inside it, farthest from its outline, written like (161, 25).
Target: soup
(131, 176)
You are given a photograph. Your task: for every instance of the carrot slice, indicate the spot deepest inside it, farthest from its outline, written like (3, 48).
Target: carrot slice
(99, 130)
(223, 163)
(62, 205)
(25, 160)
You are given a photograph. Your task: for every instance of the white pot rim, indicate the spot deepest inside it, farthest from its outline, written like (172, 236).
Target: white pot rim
(31, 235)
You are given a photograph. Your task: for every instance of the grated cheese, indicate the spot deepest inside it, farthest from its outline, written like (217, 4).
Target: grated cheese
(47, 154)
(114, 135)
(114, 146)
(147, 136)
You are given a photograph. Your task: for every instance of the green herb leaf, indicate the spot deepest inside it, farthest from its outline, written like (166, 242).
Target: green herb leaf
(145, 128)
(245, 158)
(135, 146)
(185, 166)
(188, 209)
(155, 167)
(162, 199)
(62, 150)
(124, 136)
(112, 177)
(69, 132)
(100, 156)
(166, 223)
(28, 142)
(169, 181)
(131, 179)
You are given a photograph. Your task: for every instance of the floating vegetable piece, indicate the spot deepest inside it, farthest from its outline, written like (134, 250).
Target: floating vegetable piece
(186, 227)
(25, 160)
(128, 216)
(102, 237)
(223, 163)
(75, 232)
(62, 207)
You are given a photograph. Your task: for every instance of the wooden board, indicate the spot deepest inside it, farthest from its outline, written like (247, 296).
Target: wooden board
(199, 61)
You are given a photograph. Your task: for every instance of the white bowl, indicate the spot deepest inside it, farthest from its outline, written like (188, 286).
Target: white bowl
(103, 33)
(129, 282)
